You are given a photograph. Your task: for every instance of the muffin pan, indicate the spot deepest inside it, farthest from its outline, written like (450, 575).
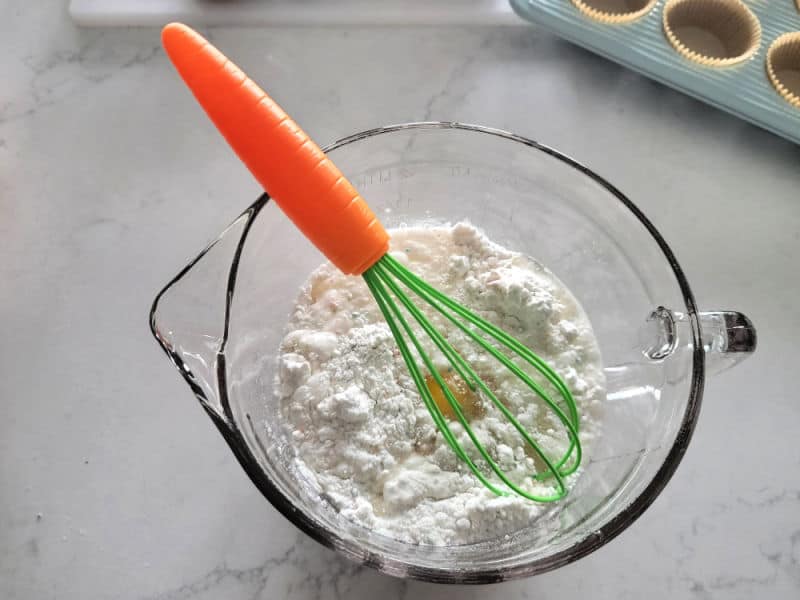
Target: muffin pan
(742, 56)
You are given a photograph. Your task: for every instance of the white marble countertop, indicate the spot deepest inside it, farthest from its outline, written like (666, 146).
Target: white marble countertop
(113, 484)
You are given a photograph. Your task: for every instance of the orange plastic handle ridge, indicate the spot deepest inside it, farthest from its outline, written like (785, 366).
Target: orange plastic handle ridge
(293, 170)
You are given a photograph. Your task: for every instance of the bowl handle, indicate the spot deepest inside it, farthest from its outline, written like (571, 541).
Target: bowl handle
(728, 338)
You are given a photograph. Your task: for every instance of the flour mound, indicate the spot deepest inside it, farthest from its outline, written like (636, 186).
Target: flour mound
(359, 425)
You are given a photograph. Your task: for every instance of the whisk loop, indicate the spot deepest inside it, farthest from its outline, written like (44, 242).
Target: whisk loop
(384, 280)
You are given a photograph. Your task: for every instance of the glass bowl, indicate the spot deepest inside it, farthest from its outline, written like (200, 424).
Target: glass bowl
(221, 319)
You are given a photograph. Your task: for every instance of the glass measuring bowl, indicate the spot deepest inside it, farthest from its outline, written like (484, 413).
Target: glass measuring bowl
(220, 321)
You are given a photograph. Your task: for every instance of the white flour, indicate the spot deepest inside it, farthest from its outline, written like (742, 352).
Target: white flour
(359, 425)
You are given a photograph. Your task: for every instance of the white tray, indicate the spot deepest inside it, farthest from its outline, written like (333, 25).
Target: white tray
(111, 13)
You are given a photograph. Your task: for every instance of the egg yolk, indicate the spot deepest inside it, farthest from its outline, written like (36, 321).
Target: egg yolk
(467, 399)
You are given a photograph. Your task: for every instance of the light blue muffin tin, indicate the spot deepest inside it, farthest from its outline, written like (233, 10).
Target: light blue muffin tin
(743, 89)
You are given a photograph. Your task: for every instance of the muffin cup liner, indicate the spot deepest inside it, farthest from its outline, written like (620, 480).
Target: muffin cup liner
(729, 21)
(595, 10)
(785, 52)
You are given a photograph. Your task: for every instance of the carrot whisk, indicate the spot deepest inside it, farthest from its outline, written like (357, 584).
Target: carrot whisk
(325, 206)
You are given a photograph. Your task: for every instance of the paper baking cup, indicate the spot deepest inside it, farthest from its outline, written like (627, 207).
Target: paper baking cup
(615, 11)
(714, 33)
(783, 66)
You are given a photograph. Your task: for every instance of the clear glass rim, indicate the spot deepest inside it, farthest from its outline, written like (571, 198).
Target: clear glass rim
(233, 434)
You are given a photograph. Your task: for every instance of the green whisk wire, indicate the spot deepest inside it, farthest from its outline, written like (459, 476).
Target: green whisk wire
(433, 296)
(384, 280)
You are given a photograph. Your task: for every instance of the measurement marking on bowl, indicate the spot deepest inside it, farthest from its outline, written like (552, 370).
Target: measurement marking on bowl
(459, 171)
(365, 180)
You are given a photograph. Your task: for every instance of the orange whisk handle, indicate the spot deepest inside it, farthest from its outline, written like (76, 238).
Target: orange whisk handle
(293, 170)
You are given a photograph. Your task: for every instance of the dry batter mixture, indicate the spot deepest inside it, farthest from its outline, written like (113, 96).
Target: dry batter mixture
(356, 418)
